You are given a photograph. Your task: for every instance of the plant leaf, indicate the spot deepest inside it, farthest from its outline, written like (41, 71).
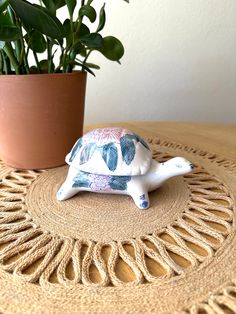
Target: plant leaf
(87, 10)
(5, 19)
(110, 156)
(44, 66)
(88, 70)
(77, 46)
(67, 31)
(84, 30)
(87, 152)
(112, 48)
(3, 5)
(36, 42)
(39, 18)
(92, 66)
(84, 67)
(92, 41)
(9, 33)
(119, 182)
(53, 5)
(102, 19)
(34, 70)
(59, 3)
(71, 6)
(127, 149)
(50, 5)
(2, 44)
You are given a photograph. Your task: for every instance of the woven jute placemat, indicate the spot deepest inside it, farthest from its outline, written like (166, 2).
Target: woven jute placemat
(100, 254)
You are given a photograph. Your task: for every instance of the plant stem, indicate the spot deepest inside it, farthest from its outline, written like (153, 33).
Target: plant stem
(64, 61)
(17, 42)
(58, 68)
(49, 49)
(37, 61)
(10, 53)
(6, 63)
(72, 55)
(6, 68)
(69, 67)
(1, 63)
(26, 64)
(22, 53)
(86, 58)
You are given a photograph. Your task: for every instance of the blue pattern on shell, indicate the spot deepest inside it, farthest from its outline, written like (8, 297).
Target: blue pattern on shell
(75, 149)
(87, 152)
(127, 149)
(81, 180)
(110, 156)
(86, 147)
(119, 182)
(137, 138)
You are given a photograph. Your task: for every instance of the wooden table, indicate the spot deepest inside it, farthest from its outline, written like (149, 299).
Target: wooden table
(216, 138)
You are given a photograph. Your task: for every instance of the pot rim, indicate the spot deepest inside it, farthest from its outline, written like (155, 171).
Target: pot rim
(76, 72)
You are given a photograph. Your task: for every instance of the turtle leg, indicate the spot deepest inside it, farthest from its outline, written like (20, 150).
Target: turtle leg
(140, 198)
(67, 191)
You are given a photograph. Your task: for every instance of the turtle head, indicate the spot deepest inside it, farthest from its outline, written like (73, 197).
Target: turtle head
(178, 166)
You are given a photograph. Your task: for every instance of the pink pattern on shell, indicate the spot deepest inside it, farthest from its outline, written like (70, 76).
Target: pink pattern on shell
(105, 135)
(99, 183)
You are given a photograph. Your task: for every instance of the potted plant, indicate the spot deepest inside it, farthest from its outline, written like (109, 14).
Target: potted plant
(42, 104)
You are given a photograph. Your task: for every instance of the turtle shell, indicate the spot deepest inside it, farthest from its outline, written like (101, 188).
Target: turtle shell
(111, 151)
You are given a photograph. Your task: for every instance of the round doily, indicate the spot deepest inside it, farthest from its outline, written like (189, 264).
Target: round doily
(177, 256)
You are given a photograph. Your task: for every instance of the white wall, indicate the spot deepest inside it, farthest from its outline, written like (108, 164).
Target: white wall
(179, 64)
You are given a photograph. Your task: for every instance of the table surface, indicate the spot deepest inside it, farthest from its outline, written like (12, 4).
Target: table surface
(214, 138)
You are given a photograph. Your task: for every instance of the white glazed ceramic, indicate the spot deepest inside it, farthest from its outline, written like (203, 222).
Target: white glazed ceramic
(117, 161)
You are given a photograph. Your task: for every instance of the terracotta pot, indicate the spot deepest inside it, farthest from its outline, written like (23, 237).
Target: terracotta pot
(41, 117)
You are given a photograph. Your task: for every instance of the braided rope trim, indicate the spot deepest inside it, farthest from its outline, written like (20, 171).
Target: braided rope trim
(221, 302)
(41, 257)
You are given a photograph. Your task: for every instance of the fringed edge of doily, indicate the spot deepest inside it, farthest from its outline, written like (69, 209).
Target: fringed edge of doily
(221, 302)
(19, 233)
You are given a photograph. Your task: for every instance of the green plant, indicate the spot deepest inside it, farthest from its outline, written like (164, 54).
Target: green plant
(26, 27)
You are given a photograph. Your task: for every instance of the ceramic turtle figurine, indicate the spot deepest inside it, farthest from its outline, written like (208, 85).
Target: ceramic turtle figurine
(118, 161)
